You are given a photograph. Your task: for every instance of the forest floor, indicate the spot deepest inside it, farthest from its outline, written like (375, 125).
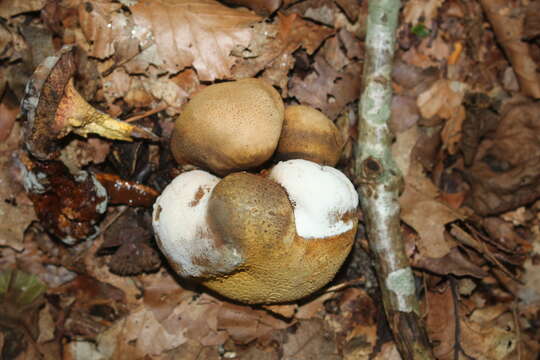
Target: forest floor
(466, 122)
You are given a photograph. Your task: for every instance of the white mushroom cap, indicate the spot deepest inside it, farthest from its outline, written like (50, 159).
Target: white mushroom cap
(321, 197)
(180, 224)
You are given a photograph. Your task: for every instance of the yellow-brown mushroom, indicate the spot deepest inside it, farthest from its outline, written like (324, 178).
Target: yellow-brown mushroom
(258, 239)
(229, 126)
(308, 134)
(53, 108)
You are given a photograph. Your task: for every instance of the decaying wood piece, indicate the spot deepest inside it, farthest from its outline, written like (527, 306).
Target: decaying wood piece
(380, 183)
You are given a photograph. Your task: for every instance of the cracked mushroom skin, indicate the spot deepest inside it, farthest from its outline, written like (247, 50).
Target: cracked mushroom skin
(229, 127)
(308, 134)
(258, 239)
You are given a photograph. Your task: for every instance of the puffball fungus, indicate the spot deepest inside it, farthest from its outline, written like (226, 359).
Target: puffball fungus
(258, 239)
(308, 134)
(229, 126)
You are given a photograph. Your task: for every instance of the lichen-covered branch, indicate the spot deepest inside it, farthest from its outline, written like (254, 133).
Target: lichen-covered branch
(380, 183)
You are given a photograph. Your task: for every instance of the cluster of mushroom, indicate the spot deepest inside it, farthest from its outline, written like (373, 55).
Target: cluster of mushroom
(273, 236)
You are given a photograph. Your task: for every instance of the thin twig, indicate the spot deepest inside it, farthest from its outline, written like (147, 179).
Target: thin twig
(146, 113)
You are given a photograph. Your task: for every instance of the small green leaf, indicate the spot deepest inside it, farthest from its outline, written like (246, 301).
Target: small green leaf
(5, 277)
(421, 30)
(23, 288)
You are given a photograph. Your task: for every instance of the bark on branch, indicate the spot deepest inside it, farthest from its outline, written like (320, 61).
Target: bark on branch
(380, 183)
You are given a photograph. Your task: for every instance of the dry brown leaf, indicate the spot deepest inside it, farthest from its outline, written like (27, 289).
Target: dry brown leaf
(6, 45)
(444, 99)
(136, 336)
(102, 26)
(16, 209)
(427, 216)
(455, 262)
(490, 337)
(166, 319)
(9, 110)
(404, 113)
(285, 310)
(273, 45)
(485, 333)
(529, 292)
(15, 7)
(388, 351)
(245, 324)
(352, 44)
(351, 8)
(310, 309)
(437, 49)
(327, 89)
(309, 341)
(507, 19)
(193, 350)
(116, 85)
(420, 206)
(506, 172)
(531, 23)
(262, 7)
(198, 33)
(320, 11)
(441, 321)
(425, 10)
(417, 58)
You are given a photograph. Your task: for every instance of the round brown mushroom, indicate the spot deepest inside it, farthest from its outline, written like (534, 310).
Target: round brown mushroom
(308, 134)
(229, 126)
(258, 239)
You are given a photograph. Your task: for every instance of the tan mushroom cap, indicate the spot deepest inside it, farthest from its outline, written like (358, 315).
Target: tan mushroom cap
(279, 265)
(229, 126)
(308, 134)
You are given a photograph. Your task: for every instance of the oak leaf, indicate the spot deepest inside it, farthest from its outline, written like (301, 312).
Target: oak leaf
(199, 33)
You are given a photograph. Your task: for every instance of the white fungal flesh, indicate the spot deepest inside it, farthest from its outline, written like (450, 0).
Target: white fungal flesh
(179, 221)
(321, 196)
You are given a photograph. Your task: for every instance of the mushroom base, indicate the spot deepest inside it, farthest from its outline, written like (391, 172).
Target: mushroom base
(309, 265)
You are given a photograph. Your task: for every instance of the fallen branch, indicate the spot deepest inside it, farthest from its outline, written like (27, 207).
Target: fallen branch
(380, 183)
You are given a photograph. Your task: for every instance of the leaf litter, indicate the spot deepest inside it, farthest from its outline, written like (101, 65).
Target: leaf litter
(464, 119)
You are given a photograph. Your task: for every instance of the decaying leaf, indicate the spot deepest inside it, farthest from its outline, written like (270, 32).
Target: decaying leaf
(529, 292)
(485, 333)
(506, 171)
(21, 296)
(272, 47)
(201, 34)
(507, 21)
(455, 263)
(310, 340)
(327, 89)
(11, 8)
(262, 7)
(103, 26)
(441, 322)
(320, 11)
(129, 238)
(16, 210)
(245, 325)
(444, 99)
(421, 10)
(90, 306)
(420, 206)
